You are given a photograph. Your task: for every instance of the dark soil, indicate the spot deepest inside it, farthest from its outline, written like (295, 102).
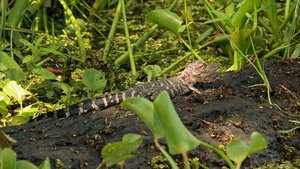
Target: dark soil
(227, 109)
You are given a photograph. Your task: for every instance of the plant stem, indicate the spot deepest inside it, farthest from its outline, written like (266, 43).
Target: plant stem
(130, 51)
(220, 153)
(142, 39)
(167, 156)
(186, 160)
(192, 50)
(112, 32)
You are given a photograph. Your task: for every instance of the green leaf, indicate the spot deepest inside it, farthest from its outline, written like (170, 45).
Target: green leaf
(118, 152)
(26, 43)
(28, 58)
(8, 159)
(5, 98)
(179, 139)
(3, 109)
(133, 138)
(23, 164)
(44, 74)
(52, 49)
(7, 62)
(221, 16)
(94, 79)
(296, 52)
(240, 17)
(166, 19)
(257, 143)
(63, 86)
(17, 120)
(15, 74)
(237, 151)
(28, 111)
(17, 13)
(46, 164)
(152, 71)
(144, 109)
(16, 91)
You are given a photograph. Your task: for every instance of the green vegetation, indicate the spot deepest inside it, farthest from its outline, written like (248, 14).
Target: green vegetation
(8, 159)
(163, 121)
(50, 56)
(57, 53)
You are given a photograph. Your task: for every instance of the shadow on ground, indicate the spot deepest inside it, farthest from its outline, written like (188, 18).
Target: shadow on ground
(227, 109)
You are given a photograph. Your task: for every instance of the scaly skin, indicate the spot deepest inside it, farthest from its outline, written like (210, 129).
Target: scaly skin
(175, 86)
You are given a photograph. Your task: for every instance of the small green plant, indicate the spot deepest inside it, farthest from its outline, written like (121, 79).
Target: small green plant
(11, 91)
(8, 160)
(238, 150)
(118, 152)
(164, 122)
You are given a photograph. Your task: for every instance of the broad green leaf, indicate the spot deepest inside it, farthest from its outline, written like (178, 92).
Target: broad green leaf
(257, 143)
(166, 19)
(240, 17)
(28, 58)
(23, 164)
(94, 79)
(229, 10)
(179, 139)
(7, 62)
(28, 111)
(5, 98)
(15, 74)
(34, 6)
(44, 74)
(63, 86)
(17, 13)
(26, 43)
(3, 109)
(8, 159)
(133, 138)
(152, 71)
(144, 109)
(17, 120)
(237, 150)
(118, 152)
(16, 91)
(46, 164)
(52, 49)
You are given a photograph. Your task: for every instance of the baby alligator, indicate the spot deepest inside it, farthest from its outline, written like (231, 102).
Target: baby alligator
(175, 86)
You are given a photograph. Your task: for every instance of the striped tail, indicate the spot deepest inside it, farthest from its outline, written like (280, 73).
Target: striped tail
(148, 90)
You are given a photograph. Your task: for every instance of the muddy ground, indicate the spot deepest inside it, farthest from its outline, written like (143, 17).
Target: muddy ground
(227, 109)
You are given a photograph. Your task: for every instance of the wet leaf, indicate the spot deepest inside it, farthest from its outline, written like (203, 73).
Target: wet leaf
(257, 143)
(237, 150)
(46, 164)
(166, 19)
(23, 164)
(7, 62)
(16, 91)
(7, 158)
(144, 109)
(152, 71)
(118, 152)
(179, 139)
(94, 79)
